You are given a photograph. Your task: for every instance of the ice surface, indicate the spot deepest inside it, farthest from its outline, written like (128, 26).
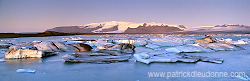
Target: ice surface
(230, 41)
(2, 60)
(152, 46)
(26, 71)
(243, 78)
(23, 53)
(191, 48)
(173, 57)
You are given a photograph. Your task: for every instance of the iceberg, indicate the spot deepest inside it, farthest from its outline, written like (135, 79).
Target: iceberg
(46, 46)
(23, 53)
(207, 39)
(64, 47)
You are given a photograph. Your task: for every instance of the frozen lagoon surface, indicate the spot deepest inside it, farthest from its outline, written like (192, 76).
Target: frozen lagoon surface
(54, 68)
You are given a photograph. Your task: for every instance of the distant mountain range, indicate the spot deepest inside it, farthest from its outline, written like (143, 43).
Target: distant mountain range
(130, 27)
(226, 28)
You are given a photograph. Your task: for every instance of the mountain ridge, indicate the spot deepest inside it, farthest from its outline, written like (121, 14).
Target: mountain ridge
(152, 27)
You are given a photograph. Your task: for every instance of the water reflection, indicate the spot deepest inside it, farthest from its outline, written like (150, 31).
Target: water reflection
(24, 61)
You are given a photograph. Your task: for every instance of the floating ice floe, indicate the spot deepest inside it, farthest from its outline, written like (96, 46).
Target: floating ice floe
(82, 47)
(2, 60)
(73, 38)
(204, 47)
(124, 48)
(43, 49)
(221, 46)
(191, 48)
(46, 46)
(73, 42)
(23, 53)
(164, 43)
(243, 78)
(26, 53)
(98, 42)
(96, 57)
(230, 41)
(64, 47)
(26, 71)
(2, 51)
(174, 57)
(152, 46)
(5, 45)
(141, 43)
(119, 41)
(246, 40)
(207, 39)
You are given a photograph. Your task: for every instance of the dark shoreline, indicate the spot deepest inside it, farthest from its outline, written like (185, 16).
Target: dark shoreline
(49, 33)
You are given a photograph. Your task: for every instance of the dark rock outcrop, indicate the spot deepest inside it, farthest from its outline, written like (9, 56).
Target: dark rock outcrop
(74, 29)
(153, 29)
(109, 29)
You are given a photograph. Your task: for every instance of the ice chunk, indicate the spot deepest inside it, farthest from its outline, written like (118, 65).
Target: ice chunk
(191, 48)
(207, 39)
(152, 46)
(82, 47)
(2, 51)
(46, 46)
(96, 57)
(222, 46)
(26, 71)
(97, 43)
(173, 57)
(240, 42)
(5, 45)
(129, 41)
(36, 41)
(124, 48)
(142, 57)
(246, 40)
(140, 43)
(2, 60)
(73, 42)
(230, 41)
(243, 78)
(163, 43)
(173, 50)
(64, 47)
(23, 53)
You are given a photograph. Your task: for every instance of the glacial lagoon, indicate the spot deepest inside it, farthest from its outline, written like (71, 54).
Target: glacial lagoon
(54, 68)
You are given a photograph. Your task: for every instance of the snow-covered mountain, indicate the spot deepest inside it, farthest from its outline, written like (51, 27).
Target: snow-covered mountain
(226, 28)
(117, 27)
(152, 27)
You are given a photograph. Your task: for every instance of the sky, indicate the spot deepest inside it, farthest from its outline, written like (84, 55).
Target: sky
(39, 15)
